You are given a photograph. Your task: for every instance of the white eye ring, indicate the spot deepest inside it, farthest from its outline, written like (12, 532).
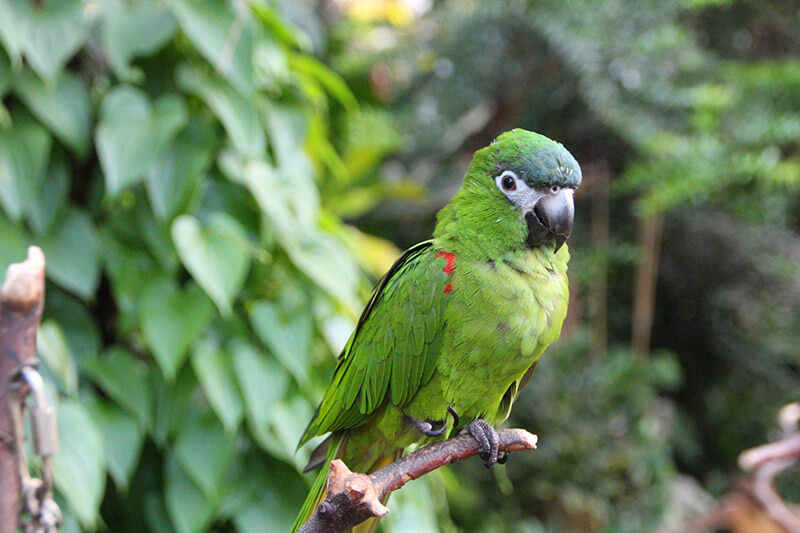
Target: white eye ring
(508, 182)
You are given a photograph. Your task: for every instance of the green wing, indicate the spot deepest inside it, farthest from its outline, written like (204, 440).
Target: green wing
(394, 347)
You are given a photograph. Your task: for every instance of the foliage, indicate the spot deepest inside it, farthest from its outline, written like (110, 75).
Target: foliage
(167, 158)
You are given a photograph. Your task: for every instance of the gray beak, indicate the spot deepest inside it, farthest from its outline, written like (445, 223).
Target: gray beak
(551, 218)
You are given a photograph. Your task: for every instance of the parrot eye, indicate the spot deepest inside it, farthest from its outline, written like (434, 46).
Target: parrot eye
(554, 189)
(507, 181)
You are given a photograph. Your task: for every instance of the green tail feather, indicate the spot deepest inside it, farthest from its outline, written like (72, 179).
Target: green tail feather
(314, 498)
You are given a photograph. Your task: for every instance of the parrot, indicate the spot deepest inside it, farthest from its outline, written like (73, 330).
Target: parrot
(455, 328)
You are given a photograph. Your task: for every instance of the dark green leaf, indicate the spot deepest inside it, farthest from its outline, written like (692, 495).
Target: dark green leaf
(205, 450)
(62, 106)
(262, 381)
(217, 255)
(72, 254)
(171, 320)
(287, 335)
(215, 371)
(52, 196)
(132, 133)
(239, 114)
(80, 466)
(122, 438)
(136, 29)
(124, 379)
(24, 152)
(188, 508)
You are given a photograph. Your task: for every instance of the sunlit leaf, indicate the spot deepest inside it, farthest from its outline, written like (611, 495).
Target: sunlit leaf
(262, 381)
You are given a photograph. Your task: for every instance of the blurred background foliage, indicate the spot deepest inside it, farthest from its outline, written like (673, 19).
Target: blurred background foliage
(217, 183)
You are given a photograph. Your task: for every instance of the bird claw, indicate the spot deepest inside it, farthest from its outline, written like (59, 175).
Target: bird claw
(426, 428)
(489, 442)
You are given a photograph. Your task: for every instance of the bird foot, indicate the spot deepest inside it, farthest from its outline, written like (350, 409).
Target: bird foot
(489, 442)
(427, 427)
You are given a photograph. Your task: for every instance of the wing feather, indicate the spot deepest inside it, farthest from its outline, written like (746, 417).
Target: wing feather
(395, 345)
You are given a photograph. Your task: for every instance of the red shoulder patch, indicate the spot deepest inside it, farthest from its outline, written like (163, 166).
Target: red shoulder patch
(449, 266)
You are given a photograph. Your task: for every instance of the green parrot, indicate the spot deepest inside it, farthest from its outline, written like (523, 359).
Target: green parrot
(455, 328)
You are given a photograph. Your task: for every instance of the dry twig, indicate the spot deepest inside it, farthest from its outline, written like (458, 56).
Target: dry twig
(353, 497)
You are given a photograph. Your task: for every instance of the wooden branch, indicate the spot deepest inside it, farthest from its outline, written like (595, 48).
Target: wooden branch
(353, 497)
(21, 302)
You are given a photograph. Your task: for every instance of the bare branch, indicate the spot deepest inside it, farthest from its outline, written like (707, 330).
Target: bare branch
(353, 498)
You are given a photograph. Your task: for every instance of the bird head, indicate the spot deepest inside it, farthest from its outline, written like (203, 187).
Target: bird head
(518, 192)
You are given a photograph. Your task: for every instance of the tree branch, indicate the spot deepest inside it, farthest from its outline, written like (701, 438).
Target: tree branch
(21, 302)
(353, 497)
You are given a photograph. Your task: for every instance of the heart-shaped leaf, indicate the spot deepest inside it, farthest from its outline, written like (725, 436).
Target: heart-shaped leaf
(51, 199)
(237, 113)
(205, 450)
(122, 438)
(24, 152)
(213, 367)
(124, 379)
(217, 255)
(62, 106)
(171, 320)
(72, 254)
(52, 346)
(224, 39)
(79, 466)
(173, 178)
(287, 335)
(135, 29)
(188, 507)
(132, 133)
(48, 34)
(263, 381)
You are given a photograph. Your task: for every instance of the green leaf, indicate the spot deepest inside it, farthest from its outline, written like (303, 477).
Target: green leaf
(327, 263)
(239, 114)
(171, 320)
(72, 254)
(53, 348)
(173, 403)
(188, 508)
(132, 133)
(136, 29)
(174, 178)
(24, 152)
(287, 335)
(276, 26)
(80, 465)
(6, 80)
(205, 450)
(217, 255)
(13, 244)
(311, 66)
(62, 106)
(262, 381)
(48, 34)
(224, 37)
(122, 439)
(51, 198)
(215, 371)
(124, 379)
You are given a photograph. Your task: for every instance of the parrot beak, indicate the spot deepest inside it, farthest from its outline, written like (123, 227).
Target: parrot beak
(551, 218)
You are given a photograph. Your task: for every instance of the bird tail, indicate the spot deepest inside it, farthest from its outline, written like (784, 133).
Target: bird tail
(317, 493)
